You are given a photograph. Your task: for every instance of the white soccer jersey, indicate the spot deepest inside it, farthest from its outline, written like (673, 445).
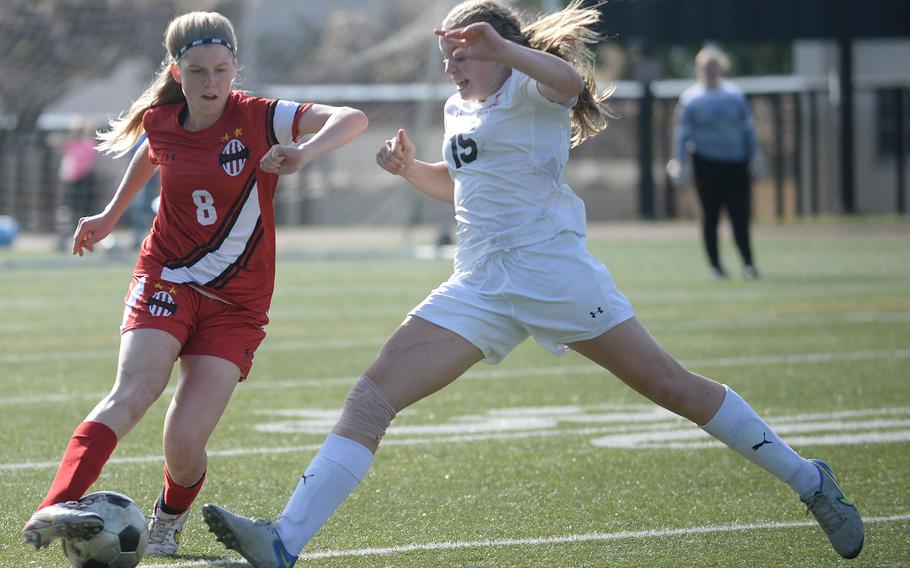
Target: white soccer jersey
(506, 156)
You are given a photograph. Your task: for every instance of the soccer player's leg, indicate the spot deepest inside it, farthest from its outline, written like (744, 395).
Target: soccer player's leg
(215, 358)
(630, 353)
(456, 326)
(146, 358)
(419, 359)
(204, 389)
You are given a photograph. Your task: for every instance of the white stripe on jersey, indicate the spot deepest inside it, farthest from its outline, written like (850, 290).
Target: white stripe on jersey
(214, 263)
(283, 123)
(136, 293)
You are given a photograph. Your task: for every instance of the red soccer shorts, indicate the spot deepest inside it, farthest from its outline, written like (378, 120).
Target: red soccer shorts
(202, 325)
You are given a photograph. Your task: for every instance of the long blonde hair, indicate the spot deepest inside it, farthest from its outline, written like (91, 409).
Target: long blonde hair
(568, 34)
(125, 129)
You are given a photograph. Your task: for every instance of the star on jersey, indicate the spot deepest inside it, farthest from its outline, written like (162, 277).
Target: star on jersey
(238, 132)
(171, 290)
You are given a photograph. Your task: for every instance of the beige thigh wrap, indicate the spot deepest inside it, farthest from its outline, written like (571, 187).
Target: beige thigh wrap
(367, 411)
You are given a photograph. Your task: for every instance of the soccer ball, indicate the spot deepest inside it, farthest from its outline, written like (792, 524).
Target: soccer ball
(122, 541)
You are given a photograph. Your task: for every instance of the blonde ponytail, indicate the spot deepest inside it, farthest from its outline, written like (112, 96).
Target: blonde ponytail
(126, 128)
(570, 35)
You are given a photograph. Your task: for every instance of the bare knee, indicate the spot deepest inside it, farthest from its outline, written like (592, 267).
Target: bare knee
(130, 398)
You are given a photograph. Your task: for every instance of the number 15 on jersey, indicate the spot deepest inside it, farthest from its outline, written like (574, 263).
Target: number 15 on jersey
(464, 149)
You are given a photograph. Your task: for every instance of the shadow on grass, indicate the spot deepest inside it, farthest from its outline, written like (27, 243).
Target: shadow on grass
(202, 559)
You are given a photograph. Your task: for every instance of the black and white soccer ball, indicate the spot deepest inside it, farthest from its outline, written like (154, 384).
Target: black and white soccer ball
(122, 541)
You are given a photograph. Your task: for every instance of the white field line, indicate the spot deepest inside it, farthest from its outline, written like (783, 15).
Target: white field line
(634, 430)
(543, 541)
(390, 441)
(493, 374)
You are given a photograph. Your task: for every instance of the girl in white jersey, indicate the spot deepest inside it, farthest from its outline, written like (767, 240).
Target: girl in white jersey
(521, 269)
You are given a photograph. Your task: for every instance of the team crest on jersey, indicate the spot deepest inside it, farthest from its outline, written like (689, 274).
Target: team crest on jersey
(233, 157)
(162, 304)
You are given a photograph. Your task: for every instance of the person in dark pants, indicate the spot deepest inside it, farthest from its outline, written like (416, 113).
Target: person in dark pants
(715, 140)
(724, 185)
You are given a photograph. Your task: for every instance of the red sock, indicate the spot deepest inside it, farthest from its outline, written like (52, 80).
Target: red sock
(89, 449)
(177, 498)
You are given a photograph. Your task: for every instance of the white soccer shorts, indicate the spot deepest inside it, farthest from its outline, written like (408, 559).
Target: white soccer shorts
(554, 291)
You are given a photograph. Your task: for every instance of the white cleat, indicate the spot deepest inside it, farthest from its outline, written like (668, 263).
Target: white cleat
(61, 520)
(257, 541)
(164, 532)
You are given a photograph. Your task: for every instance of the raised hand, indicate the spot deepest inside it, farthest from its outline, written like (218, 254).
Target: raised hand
(474, 41)
(397, 154)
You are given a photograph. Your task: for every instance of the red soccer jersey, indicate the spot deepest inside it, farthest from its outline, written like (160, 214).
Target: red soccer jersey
(215, 226)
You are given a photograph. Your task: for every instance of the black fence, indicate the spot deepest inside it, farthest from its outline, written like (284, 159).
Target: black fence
(797, 123)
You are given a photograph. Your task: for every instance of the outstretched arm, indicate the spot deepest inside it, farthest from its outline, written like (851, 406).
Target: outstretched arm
(93, 229)
(556, 78)
(397, 157)
(332, 127)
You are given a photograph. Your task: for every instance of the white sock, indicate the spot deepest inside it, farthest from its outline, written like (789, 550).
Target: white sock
(338, 467)
(737, 425)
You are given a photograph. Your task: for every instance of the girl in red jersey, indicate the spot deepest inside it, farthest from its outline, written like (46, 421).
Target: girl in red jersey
(202, 285)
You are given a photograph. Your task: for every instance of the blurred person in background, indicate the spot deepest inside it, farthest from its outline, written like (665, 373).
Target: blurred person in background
(203, 283)
(521, 269)
(715, 142)
(77, 178)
